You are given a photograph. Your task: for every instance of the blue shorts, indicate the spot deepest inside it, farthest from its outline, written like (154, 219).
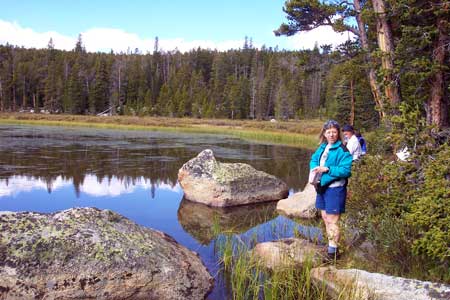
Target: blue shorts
(333, 200)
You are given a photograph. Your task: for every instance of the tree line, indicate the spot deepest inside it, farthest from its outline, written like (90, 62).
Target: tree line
(246, 83)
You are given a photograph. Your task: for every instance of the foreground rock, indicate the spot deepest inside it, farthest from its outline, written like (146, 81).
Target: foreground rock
(367, 285)
(89, 253)
(199, 219)
(288, 252)
(207, 181)
(300, 205)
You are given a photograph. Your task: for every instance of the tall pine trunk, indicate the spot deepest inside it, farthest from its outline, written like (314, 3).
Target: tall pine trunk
(14, 97)
(437, 113)
(386, 44)
(352, 100)
(24, 95)
(2, 105)
(374, 87)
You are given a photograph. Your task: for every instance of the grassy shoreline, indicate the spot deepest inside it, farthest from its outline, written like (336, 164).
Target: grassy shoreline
(301, 134)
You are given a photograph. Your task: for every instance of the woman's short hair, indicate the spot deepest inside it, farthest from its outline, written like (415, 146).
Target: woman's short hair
(327, 125)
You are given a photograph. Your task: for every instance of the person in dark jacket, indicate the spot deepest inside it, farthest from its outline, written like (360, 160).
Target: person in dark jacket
(331, 164)
(362, 142)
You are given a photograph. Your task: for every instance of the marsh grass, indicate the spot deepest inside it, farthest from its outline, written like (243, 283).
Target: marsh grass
(293, 133)
(249, 278)
(292, 283)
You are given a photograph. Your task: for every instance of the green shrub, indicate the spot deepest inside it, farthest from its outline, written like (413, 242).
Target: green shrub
(377, 142)
(403, 206)
(430, 210)
(380, 194)
(403, 209)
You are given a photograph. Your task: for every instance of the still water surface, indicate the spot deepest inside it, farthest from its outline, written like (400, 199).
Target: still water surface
(134, 173)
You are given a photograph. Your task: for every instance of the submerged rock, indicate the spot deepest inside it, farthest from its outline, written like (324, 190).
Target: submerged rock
(300, 205)
(199, 219)
(208, 181)
(365, 286)
(90, 253)
(287, 253)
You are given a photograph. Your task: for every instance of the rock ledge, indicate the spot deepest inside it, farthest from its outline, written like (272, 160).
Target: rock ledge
(366, 285)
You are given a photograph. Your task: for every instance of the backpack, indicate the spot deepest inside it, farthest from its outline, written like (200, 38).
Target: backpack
(362, 142)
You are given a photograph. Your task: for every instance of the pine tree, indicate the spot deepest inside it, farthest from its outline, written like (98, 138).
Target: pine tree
(99, 94)
(76, 95)
(349, 99)
(270, 87)
(197, 93)
(282, 105)
(305, 15)
(78, 87)
(52, 92)
(220, 70)
(422, 31)
(243, 103)
(256, 81)
(162, 106)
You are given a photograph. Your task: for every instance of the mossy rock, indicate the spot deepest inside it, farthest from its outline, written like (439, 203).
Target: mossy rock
(207, 181)
(91, 253)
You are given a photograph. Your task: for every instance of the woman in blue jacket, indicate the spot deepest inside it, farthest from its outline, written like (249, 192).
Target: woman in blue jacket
(332, 164)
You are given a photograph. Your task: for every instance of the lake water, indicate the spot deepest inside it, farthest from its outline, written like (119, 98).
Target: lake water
(134, 173)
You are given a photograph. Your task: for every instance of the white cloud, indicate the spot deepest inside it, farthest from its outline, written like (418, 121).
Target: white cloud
(321, 35)
(92, 185)
(104, 187)
(104, 39)
(16, 184)
(15, 34)
(115, 187)
(183, 45)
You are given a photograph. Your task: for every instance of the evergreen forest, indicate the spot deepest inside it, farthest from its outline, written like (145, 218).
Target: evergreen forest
(246, 83)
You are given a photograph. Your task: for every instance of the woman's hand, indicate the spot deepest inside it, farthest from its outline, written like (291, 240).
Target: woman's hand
(321, 169)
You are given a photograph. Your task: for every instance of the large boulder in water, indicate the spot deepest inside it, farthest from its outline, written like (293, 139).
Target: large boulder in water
(86, 253)
(365, 285)
(208, 181)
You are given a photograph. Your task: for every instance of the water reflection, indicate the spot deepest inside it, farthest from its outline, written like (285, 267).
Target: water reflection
(47, 169)
(199, 220)
(49, 152)
(91, 185)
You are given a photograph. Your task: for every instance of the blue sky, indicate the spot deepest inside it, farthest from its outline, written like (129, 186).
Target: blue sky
(134, 24)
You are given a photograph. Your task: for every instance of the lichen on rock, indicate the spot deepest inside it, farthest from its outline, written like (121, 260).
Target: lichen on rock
(208, 181)
(92, 253)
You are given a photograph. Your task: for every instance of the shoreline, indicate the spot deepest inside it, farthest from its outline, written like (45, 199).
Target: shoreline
(302, 134)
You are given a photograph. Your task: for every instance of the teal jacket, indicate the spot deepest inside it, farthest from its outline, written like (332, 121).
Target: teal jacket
(339, 161)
